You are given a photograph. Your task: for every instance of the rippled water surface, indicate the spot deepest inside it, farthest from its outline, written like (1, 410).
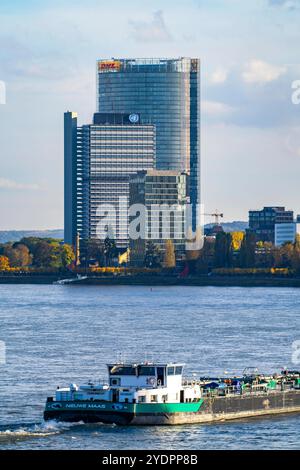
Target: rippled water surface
(55, 335)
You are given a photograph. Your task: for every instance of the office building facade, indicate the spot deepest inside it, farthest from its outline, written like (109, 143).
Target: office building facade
(163, 195)
(286, 233)
(262, 222)
(165, 93)
(71, 187)
(99, 163)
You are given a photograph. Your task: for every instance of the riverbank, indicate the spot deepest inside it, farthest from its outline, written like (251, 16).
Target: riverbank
(155, 280)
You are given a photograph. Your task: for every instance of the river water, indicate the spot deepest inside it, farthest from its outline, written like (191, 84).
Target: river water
(56, 335)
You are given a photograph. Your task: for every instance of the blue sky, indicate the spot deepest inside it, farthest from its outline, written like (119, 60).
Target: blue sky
(250, 128)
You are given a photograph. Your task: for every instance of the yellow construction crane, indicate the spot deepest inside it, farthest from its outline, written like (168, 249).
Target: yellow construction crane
(217, 215)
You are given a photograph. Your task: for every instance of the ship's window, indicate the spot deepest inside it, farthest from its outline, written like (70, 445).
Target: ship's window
(142, 399)
(171, 370)
(160, 376)
(146, 370)
(164, 398)
(178, 370)
(153, 398)
(120, 370)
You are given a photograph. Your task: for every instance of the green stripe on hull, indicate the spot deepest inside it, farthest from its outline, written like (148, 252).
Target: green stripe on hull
(141, 408)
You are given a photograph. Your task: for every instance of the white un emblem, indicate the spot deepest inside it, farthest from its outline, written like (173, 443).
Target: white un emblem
(134, 118)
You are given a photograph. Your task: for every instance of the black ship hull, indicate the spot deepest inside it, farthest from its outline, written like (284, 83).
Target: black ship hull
(211, 409)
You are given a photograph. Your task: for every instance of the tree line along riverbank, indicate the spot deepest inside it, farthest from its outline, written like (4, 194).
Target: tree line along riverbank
(153, 280)
(227, 259)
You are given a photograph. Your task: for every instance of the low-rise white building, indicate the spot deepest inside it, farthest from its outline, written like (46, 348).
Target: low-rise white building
(286, 233)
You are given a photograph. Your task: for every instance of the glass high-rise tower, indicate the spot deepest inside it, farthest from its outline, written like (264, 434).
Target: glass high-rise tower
(163, 92)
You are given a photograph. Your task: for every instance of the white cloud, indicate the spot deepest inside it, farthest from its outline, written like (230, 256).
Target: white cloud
(153, 31)
(216, 108)
(219, 75)
(14, 185)
(258, 71)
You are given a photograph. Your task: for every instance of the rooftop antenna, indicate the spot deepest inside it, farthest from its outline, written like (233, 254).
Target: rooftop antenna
(119, 359)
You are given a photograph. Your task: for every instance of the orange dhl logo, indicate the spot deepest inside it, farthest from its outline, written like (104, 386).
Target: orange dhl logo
(109, 65)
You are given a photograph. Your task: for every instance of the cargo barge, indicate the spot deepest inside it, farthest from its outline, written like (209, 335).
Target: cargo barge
(158, 394)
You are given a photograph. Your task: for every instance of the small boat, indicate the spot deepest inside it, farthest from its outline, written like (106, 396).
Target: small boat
(71, 280)
(157, 393)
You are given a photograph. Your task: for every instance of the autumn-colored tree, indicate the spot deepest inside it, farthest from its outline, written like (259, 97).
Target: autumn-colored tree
(50, 253)
(296, 257)
(18, 255)
(43, 253)
(4, 263)
(67, 255)
(287, 254)
(280, 257)
(169, 258)
(38, 252)
(32, 242)
(236, 240)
